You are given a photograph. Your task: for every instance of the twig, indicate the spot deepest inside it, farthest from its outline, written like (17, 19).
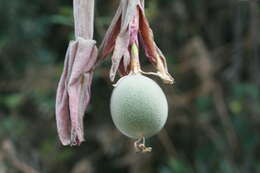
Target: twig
(233, 72)
(10, 155)
(224, 116)
(255, 62)
(84, 18)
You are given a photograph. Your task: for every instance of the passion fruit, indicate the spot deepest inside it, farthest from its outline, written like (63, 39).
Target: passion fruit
(138, 106)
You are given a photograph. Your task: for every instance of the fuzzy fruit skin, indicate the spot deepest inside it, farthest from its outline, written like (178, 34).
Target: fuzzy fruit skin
(138, 106)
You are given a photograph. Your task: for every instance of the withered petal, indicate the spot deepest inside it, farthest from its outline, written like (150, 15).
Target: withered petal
(62, 104)
(117, 38)
(121, 47)
(147, 37)
(108, 44)
(126, 60)
(79, 86)
(73, 93)
(109, 40)
(152, 51)
(74, 88)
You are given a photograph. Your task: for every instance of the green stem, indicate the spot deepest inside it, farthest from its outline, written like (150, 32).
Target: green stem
(135, 64)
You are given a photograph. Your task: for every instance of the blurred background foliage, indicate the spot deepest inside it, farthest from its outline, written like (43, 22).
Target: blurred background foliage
(212, 49)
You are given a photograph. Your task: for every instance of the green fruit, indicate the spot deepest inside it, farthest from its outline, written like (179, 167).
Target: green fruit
(138, 106)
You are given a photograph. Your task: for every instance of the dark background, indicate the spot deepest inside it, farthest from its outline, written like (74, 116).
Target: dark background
(212, 49)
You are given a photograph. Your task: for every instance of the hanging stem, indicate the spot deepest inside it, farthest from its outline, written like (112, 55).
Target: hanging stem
(135, 64)
(84, 18)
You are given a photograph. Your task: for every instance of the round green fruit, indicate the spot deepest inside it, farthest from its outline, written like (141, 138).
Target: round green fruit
(138, 106)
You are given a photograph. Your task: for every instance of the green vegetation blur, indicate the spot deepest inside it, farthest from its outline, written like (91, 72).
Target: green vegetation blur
(213, 51)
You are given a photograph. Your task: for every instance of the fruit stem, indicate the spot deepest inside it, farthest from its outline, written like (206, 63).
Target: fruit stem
(135, 64)
(140, 146)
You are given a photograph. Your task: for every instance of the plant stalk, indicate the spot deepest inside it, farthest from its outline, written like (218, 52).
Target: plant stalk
(84, 18)
(135, 64)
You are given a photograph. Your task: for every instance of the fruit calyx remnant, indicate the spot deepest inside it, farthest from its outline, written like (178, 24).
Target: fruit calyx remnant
(140, 146)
